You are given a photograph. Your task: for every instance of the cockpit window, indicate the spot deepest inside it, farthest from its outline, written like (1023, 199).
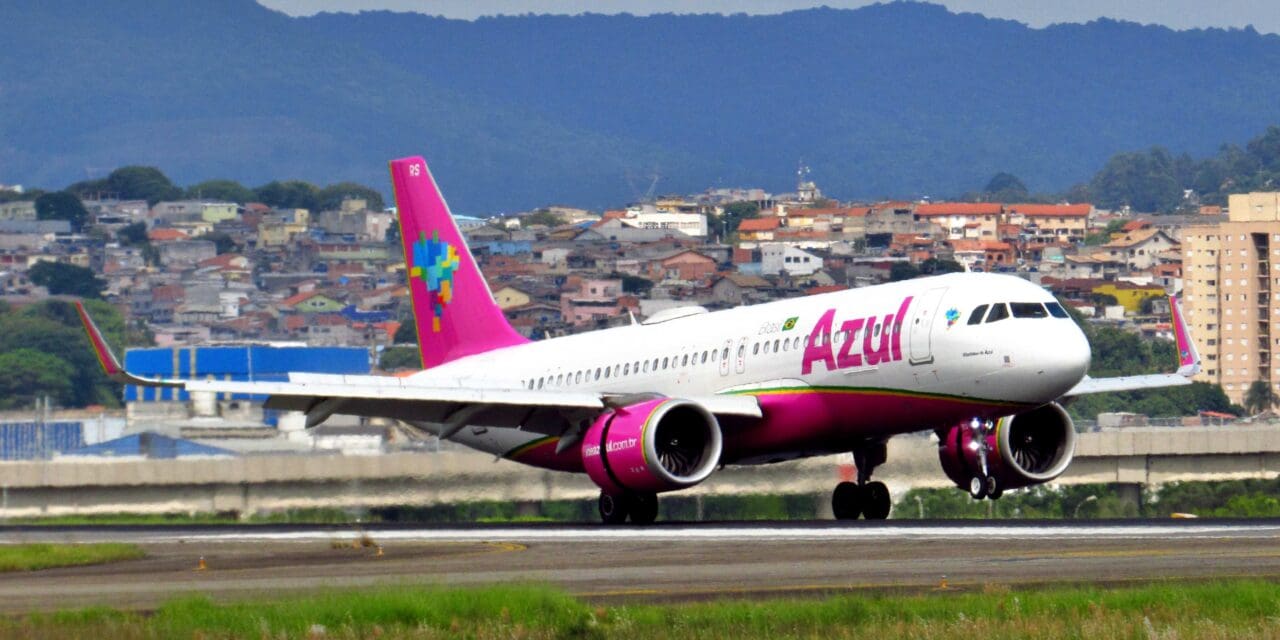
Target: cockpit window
(1056, 310)
(998, 312)
(1028, 310)
(976, 316)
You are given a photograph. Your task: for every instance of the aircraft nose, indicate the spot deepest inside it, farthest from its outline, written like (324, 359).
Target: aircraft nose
(1069, 356)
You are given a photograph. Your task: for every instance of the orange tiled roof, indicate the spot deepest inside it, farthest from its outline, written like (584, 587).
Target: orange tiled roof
(1051, 209)
(760, 224)
(166, 235)
(958, 209)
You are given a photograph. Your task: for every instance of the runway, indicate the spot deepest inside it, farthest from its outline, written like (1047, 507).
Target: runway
(669, 562)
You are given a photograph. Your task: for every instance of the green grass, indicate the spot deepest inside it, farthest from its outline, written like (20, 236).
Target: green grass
(31, 557)
(1230, 609)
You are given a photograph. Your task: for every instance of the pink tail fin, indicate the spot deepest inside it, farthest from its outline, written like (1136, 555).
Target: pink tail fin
(454, 309)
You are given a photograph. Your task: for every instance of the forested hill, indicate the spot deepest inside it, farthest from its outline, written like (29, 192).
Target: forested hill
(903, 99)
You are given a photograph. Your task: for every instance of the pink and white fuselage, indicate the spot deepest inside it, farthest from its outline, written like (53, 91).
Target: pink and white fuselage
(851, 366)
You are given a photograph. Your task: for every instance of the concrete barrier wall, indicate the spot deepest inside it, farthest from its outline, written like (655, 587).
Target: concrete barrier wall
(275, 482)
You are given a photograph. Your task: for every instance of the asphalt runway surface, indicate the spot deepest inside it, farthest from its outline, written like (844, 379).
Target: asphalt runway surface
(665, 562)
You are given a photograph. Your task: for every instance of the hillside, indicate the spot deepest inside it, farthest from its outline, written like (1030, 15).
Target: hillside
(890, 100)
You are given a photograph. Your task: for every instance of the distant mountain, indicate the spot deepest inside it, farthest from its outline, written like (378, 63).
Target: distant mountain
(903, 99)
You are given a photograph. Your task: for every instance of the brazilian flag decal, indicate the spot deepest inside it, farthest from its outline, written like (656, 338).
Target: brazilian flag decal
(790, 323)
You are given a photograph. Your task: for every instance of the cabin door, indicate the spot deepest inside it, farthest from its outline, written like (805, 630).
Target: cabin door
(921, 325)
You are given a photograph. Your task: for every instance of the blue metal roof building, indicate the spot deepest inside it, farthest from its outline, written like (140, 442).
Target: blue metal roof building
(239, 363)
(150, 445)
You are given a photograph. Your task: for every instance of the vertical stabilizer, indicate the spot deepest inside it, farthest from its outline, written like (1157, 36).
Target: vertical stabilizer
(452, 304)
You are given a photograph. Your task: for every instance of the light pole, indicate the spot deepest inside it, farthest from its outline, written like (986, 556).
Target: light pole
(1076, 514)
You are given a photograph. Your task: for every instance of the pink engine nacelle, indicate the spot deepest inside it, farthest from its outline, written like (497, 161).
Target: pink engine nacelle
(652, 446)
(1022, 450)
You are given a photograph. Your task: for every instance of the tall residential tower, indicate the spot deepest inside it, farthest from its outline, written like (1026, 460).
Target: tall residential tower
(1230, 273)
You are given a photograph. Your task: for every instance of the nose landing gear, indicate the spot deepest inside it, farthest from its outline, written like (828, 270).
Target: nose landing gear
(864, 498)
(983, 485)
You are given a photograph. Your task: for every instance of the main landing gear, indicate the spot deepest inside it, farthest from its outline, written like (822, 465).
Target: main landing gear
(642, 508)
(868, 499)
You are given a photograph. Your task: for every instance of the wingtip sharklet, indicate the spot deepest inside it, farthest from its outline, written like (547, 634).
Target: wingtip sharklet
(107, 358)
(1188, 356)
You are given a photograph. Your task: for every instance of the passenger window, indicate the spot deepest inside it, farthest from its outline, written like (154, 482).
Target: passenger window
(578, 378)
(646, 366)
(1056, 310)
(1028, 310)
(742, 351)
(775, 346)
(704, 357)
(626, 369)
(725, 355)
(976, 316)
(606, 373)
(755, 350)
(684, 361)
(877, 331)
(559, 379)
(786, 346)
(597, 373)
(540, 381)
(664, 363)
(998, 312)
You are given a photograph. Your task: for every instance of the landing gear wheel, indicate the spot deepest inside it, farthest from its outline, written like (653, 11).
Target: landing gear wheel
(613, 508)
(977, 488)
(847, 501)
(993, 489)
(644, 508)
(875, 501)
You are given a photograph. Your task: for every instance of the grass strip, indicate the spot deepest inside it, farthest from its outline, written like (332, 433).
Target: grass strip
(31, 557)
(1229, 609)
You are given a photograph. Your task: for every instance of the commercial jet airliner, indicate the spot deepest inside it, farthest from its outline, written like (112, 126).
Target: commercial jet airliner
(980, 359)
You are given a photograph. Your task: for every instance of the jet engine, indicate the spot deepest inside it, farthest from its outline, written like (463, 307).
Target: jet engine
(1015, 451)
(653, 446)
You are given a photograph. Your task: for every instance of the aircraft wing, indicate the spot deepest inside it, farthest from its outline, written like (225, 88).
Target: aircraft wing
(1188, 365)
(322, 395)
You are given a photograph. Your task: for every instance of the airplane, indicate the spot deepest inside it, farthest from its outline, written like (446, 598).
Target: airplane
(983, 360)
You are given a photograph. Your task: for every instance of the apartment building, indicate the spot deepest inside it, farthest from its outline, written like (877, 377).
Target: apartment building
(1229, 275)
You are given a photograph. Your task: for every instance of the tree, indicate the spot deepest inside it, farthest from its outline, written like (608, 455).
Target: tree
(52, 327)
(635, 284)
(224, 190)
(397, 358)
(407, 333)
(331, 197)
(223, 241)
(1005, 187)
(67, 279)
(291, 194)
(903, 271)
(735, 213)
(62, 205)
(1146, 181)
(28, 374)
(132, 235)
(1260, 397)
(934, 266)
(142, 183)
(542, 217)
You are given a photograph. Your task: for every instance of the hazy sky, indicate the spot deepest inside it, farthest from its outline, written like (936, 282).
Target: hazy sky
(1264, 15)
